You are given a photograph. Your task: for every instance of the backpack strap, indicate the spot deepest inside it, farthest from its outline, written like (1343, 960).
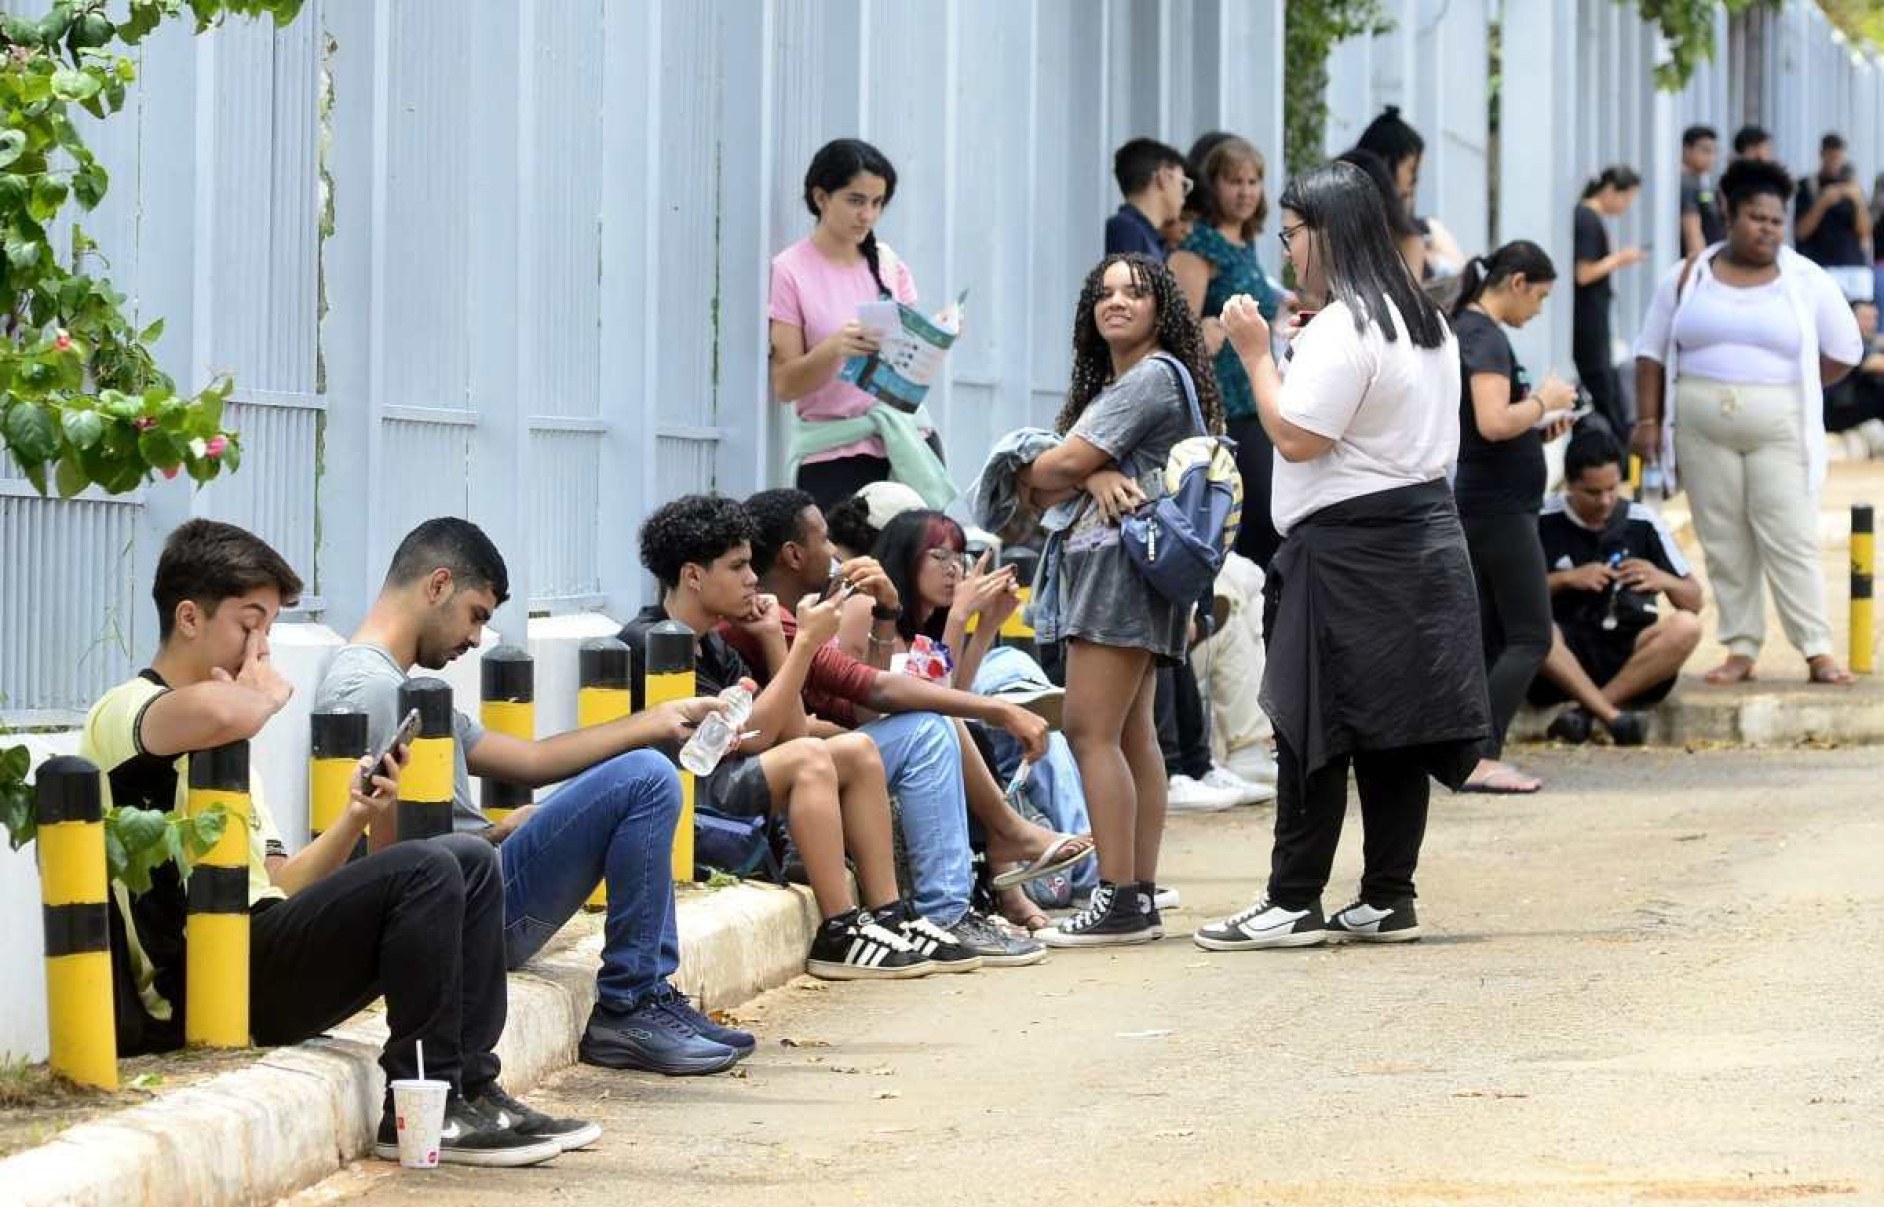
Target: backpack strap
(1687, 270)
(1189, 387)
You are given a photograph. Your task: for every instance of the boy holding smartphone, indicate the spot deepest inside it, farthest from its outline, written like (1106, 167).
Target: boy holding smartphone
(420, 923)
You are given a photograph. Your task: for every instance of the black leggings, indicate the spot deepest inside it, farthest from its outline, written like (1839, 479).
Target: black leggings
(1183, 721)
(421, 922)
(1256, 461)
(1514, 610)
(1394, 792)
(831, 482)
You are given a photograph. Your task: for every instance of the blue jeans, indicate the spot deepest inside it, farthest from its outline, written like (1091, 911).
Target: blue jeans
(614, 822)
(923, 763)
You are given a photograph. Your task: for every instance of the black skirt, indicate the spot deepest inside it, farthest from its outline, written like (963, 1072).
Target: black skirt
(1371, 617)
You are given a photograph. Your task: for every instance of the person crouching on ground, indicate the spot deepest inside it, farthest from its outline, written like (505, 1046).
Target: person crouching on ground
(1613, 648)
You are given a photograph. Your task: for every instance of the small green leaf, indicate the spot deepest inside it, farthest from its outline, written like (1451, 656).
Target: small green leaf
(158, 449)
(152, 333)
(145, 14)
(23, 254)
(49, 193)
(15, 762)
(93, 29)
(12, 144)
(36, 474)
(83, 428)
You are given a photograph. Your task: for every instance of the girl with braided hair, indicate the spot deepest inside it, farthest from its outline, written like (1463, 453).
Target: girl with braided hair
(817, 285)
(1135, 344)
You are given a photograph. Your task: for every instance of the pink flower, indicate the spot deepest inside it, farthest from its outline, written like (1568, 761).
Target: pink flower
(172, 471)
(216, 445)
(143, 423)
(63, 343)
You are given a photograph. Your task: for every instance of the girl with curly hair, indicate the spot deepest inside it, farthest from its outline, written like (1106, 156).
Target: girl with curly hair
(1135, 341)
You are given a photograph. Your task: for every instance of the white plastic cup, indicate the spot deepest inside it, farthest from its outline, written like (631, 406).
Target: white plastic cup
(419, 1116)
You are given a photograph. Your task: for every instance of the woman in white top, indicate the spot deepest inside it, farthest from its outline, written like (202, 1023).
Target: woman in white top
(1372, 615)
(1747, 334)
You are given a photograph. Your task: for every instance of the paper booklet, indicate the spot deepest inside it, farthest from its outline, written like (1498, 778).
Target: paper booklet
(910, 354)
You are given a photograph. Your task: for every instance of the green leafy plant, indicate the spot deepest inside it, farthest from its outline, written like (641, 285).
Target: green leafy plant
(82, 401)
(1688, 28)
(1310, 32)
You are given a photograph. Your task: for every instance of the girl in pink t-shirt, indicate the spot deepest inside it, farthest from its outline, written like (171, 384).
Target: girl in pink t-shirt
(817, 285)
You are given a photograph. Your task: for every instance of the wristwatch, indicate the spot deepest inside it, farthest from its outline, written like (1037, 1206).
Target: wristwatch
(879, 612)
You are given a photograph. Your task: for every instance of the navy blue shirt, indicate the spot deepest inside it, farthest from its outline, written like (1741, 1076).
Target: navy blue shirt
(1130, 231)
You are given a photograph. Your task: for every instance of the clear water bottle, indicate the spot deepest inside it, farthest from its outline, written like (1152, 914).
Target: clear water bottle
(714, 736)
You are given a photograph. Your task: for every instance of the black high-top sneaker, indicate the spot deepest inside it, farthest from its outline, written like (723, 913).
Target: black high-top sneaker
(854, 947)
(1120, 914)
(932, 942)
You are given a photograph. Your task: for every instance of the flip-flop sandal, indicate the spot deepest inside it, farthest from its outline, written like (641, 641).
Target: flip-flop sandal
(1054, 859)
(1035, 919)
(1825, 677)
(1500, 783)
(1715, 677)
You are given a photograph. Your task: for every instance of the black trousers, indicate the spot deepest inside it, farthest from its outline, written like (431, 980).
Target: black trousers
(1514, 610)
(831, 482)
(1183, 721)
(1394, 791)
(1599, 377)
(1256, 461)
(421, 923)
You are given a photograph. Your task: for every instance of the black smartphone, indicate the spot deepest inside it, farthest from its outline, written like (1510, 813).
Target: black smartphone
(408, 729)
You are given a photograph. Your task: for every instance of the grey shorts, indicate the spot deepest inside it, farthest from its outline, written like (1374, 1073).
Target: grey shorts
(736, 788)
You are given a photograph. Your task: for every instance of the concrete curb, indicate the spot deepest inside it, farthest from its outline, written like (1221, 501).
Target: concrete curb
(255, 1135)
(1852, 716)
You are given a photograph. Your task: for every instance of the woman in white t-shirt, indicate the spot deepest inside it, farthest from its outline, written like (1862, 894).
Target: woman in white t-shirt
(1735, 350)
(1375, 658)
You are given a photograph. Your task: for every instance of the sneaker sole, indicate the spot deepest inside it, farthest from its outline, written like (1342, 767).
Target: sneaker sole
(705, 1066)
(580, 1138)
(493, 1158)
(1203, 807)
(1059, 939)
(1408, 935)
(944, 967)
(1015, 960)
(1303, 938)
(830, 970)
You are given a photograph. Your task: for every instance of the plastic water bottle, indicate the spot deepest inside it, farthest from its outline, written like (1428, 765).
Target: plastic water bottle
(714, 736)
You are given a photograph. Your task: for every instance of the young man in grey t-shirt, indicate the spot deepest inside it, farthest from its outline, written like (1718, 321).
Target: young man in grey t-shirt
(612, 821)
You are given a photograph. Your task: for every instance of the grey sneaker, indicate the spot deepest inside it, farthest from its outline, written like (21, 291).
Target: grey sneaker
(996, 947)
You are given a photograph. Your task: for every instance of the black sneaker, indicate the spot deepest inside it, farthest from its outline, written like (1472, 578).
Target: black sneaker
(1364, 923)
(996, 946)
(648, 1037)
(470, 1137)
(567, 1134)
(1572, 725)
(931, 941)
(1264, 924)
(1120, 914)
(852, 947)
(1628, 729)
(681, 1007)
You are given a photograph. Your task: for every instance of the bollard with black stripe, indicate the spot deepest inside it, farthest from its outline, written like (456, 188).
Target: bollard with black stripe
(507, 690)
(425, 787)
(336, 743)
(1863, 566)
(75, 911)
(216, 934)
(670, 676)
(604, 673)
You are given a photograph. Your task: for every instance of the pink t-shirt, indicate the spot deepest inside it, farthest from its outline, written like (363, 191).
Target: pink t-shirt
(818, 297)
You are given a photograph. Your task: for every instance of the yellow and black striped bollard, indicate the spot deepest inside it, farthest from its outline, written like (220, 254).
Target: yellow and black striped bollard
(1863, 565)
(75, 911)
(604, 671)
(670, 677)
(507, 683)
(216, 961)
(336, 743)
(425, 787)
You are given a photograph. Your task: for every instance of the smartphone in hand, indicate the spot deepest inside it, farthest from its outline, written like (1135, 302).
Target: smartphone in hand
(408, 729)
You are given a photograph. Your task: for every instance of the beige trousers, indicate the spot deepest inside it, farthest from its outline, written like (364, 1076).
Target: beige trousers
(1742, 459)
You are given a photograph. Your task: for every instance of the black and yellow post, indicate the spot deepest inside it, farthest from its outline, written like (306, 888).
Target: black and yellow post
(1015, 630)
(425, 786)
(1863, 565)
(507, 689)
(75, 909)
(216, 960)
(336, 743)
(670, 677)
(604, 667)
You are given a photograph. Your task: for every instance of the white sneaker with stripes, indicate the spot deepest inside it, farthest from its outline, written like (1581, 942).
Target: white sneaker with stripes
(852, 947)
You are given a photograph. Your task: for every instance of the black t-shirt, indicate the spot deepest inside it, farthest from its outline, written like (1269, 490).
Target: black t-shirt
(1834, 243)
(1633, 531)
(1698, 197)
(1591, 313)
(1496, 477)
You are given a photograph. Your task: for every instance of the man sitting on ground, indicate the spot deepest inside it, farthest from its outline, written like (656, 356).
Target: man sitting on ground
(421, 923)
(832, 792)
(1614, 647)
(612, 822)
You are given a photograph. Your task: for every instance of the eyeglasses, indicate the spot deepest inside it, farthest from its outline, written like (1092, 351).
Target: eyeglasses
(945, 557)
(1289, 232)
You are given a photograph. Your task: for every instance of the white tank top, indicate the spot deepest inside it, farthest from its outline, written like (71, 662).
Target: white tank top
(1748, 336)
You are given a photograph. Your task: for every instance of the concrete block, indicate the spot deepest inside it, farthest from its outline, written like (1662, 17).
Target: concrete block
(463, 675)
(554, 643)
(278, 755)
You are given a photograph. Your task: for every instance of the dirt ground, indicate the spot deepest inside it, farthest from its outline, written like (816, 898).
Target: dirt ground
(1655, 984)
